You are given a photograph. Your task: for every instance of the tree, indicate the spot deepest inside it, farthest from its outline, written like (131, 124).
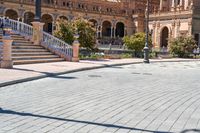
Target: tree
(136, 42)
(87, 36)
(67, 29)
(182, 46)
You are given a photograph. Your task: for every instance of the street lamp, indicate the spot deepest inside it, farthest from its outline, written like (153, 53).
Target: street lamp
(37, 10)
(146, 47)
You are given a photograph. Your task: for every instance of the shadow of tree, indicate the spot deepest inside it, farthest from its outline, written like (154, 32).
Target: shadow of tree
(3, 111)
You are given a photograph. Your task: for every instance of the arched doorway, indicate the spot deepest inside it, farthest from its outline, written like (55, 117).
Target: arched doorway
(48, 23)
(28, 17)
(164, 37)
(12, 14)
(119, 30)
(106, 29)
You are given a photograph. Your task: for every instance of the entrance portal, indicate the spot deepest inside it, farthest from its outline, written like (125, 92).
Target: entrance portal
(164, 38)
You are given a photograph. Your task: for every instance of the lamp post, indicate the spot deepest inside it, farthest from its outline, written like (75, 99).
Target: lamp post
(146, 48)
(37, 10)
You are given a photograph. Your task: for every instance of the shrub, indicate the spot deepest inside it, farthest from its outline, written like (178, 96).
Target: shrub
(136, 42)
(182, 46)
(67, 29)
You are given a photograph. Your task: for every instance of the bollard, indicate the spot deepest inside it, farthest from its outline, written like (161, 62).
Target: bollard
(7, 52)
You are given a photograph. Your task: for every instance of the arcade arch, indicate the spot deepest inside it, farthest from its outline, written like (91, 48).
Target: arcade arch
(48, 23)
(12, 14)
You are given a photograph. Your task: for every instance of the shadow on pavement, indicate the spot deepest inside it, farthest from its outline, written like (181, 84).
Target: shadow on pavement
(2, 111)
(191, 131)
(52, 75)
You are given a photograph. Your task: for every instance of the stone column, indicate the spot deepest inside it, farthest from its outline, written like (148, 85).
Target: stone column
(111, 30)
(154, 35)
(37, 32)
(173, 5)
(186, 4)
(190, 27)
(173, 29)
(75, 46)
(7, 52)
(181, 5)
(158, 35)
(114, 29)
(161, 5)
(191, 4)
(101, 32)
(177, 28)
(125, 30)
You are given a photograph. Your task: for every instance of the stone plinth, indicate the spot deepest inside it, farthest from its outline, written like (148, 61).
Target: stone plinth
(75, 57)
(37, 32)
(7, 53)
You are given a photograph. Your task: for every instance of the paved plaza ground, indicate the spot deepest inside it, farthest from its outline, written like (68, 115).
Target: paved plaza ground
(138, 98)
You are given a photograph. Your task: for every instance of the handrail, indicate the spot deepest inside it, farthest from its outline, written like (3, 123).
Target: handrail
(17, 26)
(58, 46)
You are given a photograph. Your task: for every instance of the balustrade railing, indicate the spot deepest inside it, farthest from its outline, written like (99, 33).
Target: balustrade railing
(58, 46)
(17, 26)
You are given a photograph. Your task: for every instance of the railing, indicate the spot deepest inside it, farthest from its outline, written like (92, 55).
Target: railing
(17, 26)
(50, 42)
(58, 46)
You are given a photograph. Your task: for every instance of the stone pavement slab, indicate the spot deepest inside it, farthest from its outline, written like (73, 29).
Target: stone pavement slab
(127, 99)
(23, 73)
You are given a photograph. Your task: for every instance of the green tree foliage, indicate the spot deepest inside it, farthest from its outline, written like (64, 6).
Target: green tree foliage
(182, 46)
(136, 42)
(87, 34)
(67, 29)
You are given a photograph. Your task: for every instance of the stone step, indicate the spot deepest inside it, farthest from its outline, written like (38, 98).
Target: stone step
(14, 37)
(29, 50)
(31, 53)
(24, 43)
(18, 62)
(34, 57)
(18, 41)
(27, 47)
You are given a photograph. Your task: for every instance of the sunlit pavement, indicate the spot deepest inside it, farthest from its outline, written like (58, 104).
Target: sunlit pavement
(154, 98)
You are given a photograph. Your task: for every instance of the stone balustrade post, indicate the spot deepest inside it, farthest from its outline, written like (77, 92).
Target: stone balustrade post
(37, 32)
(7, 53)
(75, 47)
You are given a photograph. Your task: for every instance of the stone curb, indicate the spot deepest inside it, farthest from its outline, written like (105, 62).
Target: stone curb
(83, 69)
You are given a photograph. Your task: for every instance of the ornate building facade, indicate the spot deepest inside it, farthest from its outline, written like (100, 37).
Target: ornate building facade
(175, 18)
(115, 18)
(112, 18)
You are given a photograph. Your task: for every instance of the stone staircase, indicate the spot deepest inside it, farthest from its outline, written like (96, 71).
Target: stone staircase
(25, 52)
